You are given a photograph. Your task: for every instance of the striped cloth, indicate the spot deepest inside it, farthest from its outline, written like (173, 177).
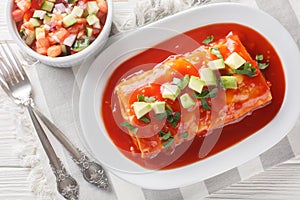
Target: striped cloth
(274, 174)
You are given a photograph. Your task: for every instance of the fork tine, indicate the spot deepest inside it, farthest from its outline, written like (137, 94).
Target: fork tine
(11, 67)
(5, 74)
(19, 65)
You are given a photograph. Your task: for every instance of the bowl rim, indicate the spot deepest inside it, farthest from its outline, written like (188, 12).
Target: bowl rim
(101, 38)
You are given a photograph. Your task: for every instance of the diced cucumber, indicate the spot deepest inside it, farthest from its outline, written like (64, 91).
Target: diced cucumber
(141, 108)
(208, 76)
(77, 11)
(79, 45)
(30, 37)
(35, 22)
(170, 91)
(47, 6)
(158, 107)
(92, 19)
(72, 1)
(97, 25)
(39, 14)
(92, 7)
(40, 33)
(89, 32)
(229, 82)
(216, 64)
(196, 84)
(69, 20)
(186, 101)
(64, 50)
(235, 61)
(47, 19)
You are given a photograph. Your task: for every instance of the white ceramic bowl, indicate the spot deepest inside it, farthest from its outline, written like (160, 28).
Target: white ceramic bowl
(66, 61)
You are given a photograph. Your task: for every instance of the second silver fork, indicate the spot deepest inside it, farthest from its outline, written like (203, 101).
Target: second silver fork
(92, 172)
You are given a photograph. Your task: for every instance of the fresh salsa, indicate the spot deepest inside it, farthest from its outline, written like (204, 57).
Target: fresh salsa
(58, 28)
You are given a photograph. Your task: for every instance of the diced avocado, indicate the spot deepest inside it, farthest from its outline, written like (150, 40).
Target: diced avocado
(170, 91)
(47, 19)
(208, 76)
(158, 107)
(77, 11)
(186, 101)
(47, 6)
(235, 61)
(69, 20)
(141, 108)
(89, 32)
(183, 82)
(81, 44)
(196, 84)
(216, 64)
(35, 22)
(229, 82)
(40, 33)
(39, 14)
(92, 7)
(92, 19)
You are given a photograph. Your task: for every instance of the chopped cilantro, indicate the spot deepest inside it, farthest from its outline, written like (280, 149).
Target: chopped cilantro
(204, 95)
(261, 65)
(216, 52)
(145, 119)
(165, 136)
(142, 97)
(130, 127)
(259, 57)
(168, 143)
(246, 69)
(184, 135)
(208, 40)
(160, 116)
(174, 119)
(183, 82)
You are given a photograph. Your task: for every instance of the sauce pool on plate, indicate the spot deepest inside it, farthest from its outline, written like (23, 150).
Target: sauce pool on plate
(222, 138)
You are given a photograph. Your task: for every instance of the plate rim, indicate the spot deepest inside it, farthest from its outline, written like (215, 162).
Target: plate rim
(134, 178)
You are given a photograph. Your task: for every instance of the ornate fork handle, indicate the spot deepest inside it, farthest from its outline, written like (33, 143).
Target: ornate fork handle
(92, 172)
(66, 185)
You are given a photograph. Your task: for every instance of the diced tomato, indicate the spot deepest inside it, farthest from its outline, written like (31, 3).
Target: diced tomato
(81, 21)
(27, 25)
(60, 35)
(54, 51)
(18, 15)
(23, 4)
(51, 39)
(28, 14)
(42, 46)
(76, 28)
(102, 6)
(57, 19)
(37, 4)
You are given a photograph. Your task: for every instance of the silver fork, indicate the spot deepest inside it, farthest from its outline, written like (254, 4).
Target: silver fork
(16, 84)
(91, 171)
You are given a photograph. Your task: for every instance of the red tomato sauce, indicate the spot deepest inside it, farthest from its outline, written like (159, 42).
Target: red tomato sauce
(228, 135)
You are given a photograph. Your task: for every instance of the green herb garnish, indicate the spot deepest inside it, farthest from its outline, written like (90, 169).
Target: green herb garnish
(174, 119)
(160, 116)
(183, 82)
(204, 95)
(246, 69)
(208, 40)
(142, 97)
(165, 136)
(130, 127)
(216, 52)
(145, 119)
(261, 65)
(184, 135)
(168, 143)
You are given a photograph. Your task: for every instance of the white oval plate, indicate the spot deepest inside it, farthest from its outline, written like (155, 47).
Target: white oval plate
(101, 69)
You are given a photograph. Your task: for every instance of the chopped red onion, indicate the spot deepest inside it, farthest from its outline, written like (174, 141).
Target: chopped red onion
(70, 40)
